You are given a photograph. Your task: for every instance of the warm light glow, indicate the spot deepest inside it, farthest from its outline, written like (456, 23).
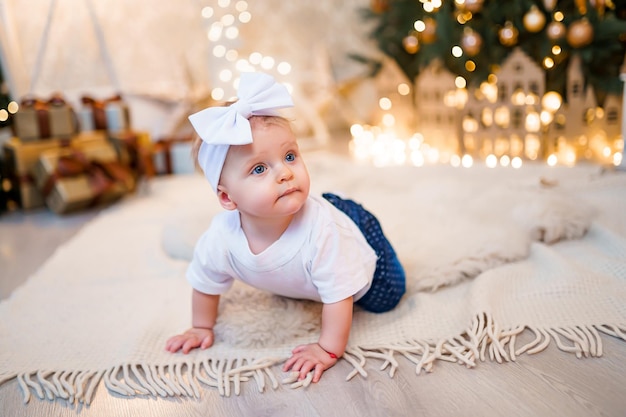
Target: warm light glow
(491, 161)
(457, 51)
(389, 120)
(215, 32)
(255, 58)
(490, 91)
(227, 19)
(606, 152)
(232, 33)
(419, 26)
(470, 124)
(505, 160)
(284, 68)
(551, 101)
(207, 12)
(460, 82)
(245, 17)
(417, 158)
(13, 107)
(356, 130)
(244, 66)
(502, 116)
(241, 6)
(617, 159)
(548, 62)
(232, 55)
(559, 16)
(545, 117)
(4, 115)
(217, 94)
(455, 161)
(556, 49)
(219, 51)
(404, 89)
(467, 161)
(223, 3)
(226, 75)
(267, 62)
(552, 160)
(569, 157)
(516, 162)
(533, 122)
(384, 103)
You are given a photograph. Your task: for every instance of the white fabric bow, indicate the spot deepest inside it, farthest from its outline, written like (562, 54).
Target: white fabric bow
(219, 127)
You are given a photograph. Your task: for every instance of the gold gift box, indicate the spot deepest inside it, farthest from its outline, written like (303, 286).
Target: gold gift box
(97, 177)
(42, 120)
(76, 193)
(21, 158)
(134, 148)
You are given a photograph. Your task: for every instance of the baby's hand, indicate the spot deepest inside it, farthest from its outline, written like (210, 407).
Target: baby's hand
(192, 338)
(306, 358)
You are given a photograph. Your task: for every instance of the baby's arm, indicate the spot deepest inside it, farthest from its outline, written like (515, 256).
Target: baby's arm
(336, 323)
(204, 316)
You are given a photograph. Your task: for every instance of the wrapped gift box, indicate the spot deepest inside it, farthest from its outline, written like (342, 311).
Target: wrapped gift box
(173, 155)
(111, 114)
(38, 119)
(72, 179)
(79, 192)
(21, 157)
(134, 148)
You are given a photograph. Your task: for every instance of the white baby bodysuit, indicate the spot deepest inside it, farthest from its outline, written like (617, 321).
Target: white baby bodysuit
(322, 256)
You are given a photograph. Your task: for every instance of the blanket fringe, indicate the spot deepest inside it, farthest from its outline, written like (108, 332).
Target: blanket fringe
(483, 340)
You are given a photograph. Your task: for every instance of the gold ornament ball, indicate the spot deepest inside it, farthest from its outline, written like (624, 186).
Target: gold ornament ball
(508, 34)
(549, 4)
(471, 42)
(474, 6)
(580, 33)
(379, 6)
(411, 44)
(534, 20)
(429, 34)
(556, 30)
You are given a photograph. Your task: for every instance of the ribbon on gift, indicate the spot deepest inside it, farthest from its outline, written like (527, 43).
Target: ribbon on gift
(102, 176)
(98, 109)
(42, 110)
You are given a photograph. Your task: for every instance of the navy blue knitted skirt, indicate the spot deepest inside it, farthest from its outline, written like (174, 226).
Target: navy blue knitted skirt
(389, 283)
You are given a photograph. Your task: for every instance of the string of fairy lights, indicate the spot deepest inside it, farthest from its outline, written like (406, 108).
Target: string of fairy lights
(222, 22)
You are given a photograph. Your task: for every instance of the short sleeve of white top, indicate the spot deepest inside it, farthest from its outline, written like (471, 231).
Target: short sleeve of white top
(322, 256)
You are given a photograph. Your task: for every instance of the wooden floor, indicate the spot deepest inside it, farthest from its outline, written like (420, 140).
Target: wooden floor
(551, 383)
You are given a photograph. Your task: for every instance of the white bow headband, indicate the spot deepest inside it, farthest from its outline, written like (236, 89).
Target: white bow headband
(219, 127)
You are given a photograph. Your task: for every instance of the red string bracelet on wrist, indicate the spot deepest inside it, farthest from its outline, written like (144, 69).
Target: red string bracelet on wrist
(331, 354)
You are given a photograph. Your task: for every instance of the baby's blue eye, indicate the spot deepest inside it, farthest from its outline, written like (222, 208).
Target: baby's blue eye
(259, 169)
(290, 157)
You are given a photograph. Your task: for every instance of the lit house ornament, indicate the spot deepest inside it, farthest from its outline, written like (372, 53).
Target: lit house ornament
(507, 120)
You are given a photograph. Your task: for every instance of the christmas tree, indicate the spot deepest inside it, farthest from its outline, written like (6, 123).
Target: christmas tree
(473, 37)
(4, 102)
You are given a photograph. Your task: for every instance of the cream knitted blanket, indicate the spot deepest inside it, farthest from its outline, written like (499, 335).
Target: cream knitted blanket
(100, 309)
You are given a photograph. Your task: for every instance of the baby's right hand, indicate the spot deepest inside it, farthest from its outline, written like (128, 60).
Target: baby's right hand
(192, 338)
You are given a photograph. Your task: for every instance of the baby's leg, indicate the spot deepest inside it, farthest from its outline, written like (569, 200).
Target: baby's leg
(389, 283)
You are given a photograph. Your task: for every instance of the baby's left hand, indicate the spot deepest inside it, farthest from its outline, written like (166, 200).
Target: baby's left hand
(306, 358)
